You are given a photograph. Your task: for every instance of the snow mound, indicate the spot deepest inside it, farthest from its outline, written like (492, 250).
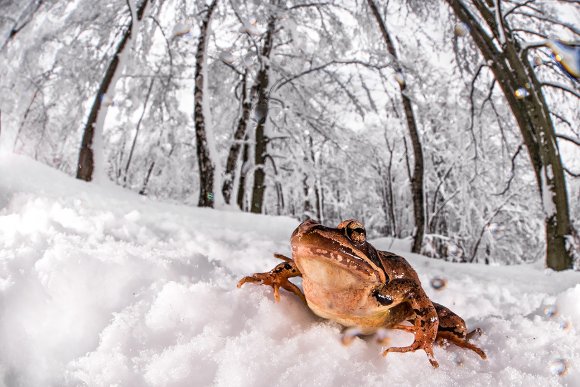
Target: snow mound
(100, 287)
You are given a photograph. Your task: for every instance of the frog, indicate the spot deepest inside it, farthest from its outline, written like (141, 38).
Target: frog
(345, 279)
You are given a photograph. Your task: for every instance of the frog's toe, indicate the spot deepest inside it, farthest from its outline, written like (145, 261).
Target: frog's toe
(463, 343)
(476, 332)
(406, 328)
(286, 284)
(381, 336)
(277, 278)
(283, 257)
(349, 334)
(264, 279)
(414, 347)
(261, 278)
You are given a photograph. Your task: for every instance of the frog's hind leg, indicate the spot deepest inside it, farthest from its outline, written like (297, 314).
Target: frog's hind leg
(453, 329)
(278, 278)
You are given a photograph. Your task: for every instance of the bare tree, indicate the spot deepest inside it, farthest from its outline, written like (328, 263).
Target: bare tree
(501, 48)
(204, 157)
(238, 138)
(261, 109)
(97, 115)
(418, 169)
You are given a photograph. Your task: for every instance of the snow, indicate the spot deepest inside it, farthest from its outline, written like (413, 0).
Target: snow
(249, 27)
(400, 78)
(180, 29)
(100, 286)
(99, 174)
(461, 29)
(218, 198)
(547, 193)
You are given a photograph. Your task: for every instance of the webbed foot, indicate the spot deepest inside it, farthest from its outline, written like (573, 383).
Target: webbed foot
(460, 342)
(452, 328)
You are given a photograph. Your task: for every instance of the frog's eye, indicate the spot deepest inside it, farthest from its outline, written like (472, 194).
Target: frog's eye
(356, 232)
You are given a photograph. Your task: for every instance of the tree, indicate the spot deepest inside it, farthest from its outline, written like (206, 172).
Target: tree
(205, 158)
(96, 120)
(262, 108)
(508, 58)
(418, 169)
(238, 137)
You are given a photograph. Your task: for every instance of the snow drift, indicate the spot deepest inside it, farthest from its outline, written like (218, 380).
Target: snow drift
(100, 286)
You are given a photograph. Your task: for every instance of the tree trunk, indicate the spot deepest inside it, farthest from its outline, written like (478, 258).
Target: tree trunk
(514, 72)
(262, 107)
(204, 156)
(389, 197)
(307, 211)
(242, 183)
(235, 148)
(418, 170)
(86, 161)
(137, 129)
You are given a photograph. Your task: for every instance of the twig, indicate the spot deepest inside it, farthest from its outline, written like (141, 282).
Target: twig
(513, 173)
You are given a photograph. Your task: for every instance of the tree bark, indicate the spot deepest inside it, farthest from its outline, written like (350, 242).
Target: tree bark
(418, 169)
(242, 183)
(236, 147)
(389, 198)
(513, 72)
(204, 157)
(86, 161)
(262, 107)
(307, 210)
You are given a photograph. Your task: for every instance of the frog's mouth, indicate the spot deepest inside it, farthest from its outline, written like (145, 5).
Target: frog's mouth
(313, 241)
(332, 254)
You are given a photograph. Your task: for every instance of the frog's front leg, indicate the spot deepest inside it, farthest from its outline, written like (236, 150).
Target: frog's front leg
(425, 320)
(278, 278)
(452, 328)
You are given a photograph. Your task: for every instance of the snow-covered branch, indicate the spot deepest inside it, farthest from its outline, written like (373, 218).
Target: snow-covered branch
(562, 87)
(324, 66)
(569, 138)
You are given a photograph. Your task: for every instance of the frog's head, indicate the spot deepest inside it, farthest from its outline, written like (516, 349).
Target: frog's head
(348, 232)
(344, 246)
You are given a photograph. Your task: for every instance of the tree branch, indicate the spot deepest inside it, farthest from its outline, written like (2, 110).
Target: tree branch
(331, 63)
(513, 172)
(568, 138)
(562, 87)
(486, 225)
(569, 172)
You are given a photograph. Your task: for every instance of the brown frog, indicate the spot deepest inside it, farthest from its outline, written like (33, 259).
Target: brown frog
(345, 279)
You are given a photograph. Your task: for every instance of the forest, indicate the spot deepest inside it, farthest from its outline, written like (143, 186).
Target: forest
(418, 160)
(452, 124)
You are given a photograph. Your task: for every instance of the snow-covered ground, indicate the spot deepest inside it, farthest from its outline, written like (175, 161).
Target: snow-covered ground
(100, 287)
